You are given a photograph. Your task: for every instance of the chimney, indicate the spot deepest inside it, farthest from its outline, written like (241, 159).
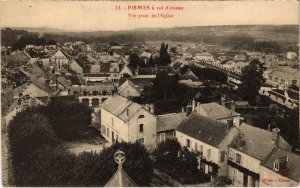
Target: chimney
(275, 136)
(241, 141)
(198, 107)
(189, 110)
(229, 124)
(47, 82)
(193, 104)
(232, 106)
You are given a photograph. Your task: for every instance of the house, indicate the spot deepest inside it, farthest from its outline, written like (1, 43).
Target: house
(17, 106)
(101, 72)
(31, 71)
(151, 72)
(125, 70)
(128, 90)
(47, 85)
(74, 66)
(291, 55)
(61, 60)
(18, 58)
(284, 77)
(280, 169)
(248, 150)
(167, 124)
(240, 57)
(204, 56)
(93, 95)
(138, 83)
(240, 66)
(125, 120)
(210, 139)
(217, 112)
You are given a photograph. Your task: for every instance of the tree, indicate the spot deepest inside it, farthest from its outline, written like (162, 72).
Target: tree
(69, 119)
(94, 169)
(251, 81)
(176, 161)
(164, 58)
(134, 61)
(164, 84)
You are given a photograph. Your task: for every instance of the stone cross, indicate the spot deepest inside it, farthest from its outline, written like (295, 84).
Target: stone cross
(119, 158)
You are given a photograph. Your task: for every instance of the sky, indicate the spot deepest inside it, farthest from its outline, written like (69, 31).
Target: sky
(96, 15)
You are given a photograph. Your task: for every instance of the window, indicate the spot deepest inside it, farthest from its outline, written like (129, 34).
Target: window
(107, 132)
(188, 143)
(201, 149)
(141, 140)
(276, 166)
(222, 156)
(238, 158)
(112, 122)
(162, 137)
(141, 116)
(174, 134)
(141, 128)
(231, 156)
(208, 153)
(196, 146)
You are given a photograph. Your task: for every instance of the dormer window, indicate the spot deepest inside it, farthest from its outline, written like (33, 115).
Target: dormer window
(276, 166)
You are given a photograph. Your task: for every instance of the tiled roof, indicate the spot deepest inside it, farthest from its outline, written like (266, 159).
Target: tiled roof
(189, 75)
(204, 129)
(216, 111)
(258, 141)
(118, 106)
(293, 163)
(141, 82)
(169, 121)
(129, 83)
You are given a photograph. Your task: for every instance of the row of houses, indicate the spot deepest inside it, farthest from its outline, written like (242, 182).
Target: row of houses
(247, 155)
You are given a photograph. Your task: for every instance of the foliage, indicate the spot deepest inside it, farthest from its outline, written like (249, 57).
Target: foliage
(94, 169)
(24, 131)
(164, 84)
(178, 162)
(251, 81)
(134, 61)
(69, 119)
(209, 74)
(39, 159)
(164, 57)
(126, 75)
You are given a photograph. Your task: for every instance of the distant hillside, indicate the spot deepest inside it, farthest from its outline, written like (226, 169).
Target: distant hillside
(210, 34)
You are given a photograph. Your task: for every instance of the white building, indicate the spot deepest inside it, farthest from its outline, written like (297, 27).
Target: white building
(124, 120)
(208, 137)
(280, 169)
(248, 150)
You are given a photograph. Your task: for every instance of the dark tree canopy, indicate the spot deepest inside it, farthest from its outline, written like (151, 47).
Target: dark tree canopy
(40, 159)
(252, 79)
(164, 58)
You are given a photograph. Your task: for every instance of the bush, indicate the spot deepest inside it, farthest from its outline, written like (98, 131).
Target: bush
(69, 119)
(178, 162)
(39, 159)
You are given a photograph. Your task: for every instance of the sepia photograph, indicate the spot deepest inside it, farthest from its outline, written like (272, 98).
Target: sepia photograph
(150, 93)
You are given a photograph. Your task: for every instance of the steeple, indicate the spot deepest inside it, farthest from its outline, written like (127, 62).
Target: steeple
(120, 178)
